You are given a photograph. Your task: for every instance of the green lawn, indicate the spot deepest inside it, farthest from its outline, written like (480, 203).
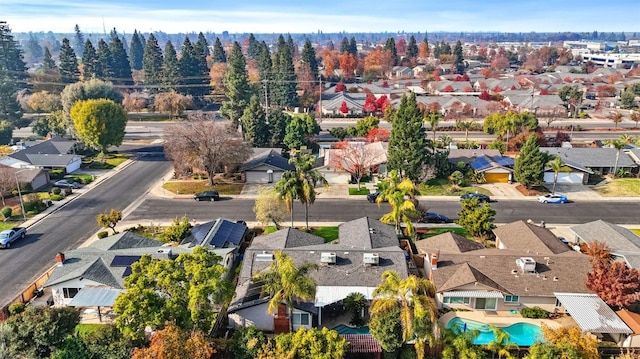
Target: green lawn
(620, 187)
(9, 225)
(328, 233)
(441, 187)
(111, 160)
(197, 186)
(83, 329)
(436, 231)
(353, 191)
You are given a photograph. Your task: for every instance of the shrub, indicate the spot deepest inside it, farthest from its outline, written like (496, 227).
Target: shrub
(56, 174)
(103, 234)
(56, 190)
(32, 213)
(56, 197)
(68, 191)
(16, 308)
(534, 313)
(6, 212)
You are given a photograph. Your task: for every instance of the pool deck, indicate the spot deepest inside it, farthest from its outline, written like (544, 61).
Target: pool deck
(505, 319)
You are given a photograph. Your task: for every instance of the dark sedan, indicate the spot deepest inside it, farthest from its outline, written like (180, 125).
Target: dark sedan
(207, 196)
(482, 198)
(432, 217)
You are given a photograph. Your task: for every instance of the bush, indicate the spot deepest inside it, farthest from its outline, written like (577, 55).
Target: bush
(6, 212)
(67, 191)
(32, 213)
(103, 234)
(56, 197)
(534, 313)
(16, 308)
(56, 190)
(56, 174)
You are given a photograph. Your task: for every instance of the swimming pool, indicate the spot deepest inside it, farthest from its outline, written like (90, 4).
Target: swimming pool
(522, 334)
(345, 329)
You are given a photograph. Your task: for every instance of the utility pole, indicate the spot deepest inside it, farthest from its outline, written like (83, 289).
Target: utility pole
(320, 101)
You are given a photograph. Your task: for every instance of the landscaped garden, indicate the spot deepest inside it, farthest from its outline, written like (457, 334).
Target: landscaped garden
(442, 187)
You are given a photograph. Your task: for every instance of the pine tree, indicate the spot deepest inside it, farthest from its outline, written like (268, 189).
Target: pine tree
(458, 58)
(189, 69)
(344, 45)
(412, 48)
(104, 67)
(353, 46)
(136, 51)
(11, 58)
(10, 109)
(292, 47)
(284, 86)
(265, 72)
(390, 46)
(48, 64)
(78, 44)
(254, 125)
(529, 166)
(236, 85)
(253, 50)
(152, 65)
(170, 68)
(218, 52)
(278, 122)
(69, 72)
(89, 61)
(308, 56)
(408, 144)
(33, 49)
(120, 62)
(201, 48)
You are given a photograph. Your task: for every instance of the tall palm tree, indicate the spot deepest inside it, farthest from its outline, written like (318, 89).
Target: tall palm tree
(418, 312)
(307, 180)
(286, 282)
(400, 193)
(287, 189)
(618, 144)
(501, 344)
(556, 166)
(465, 126)
(433, 118)
(459, 344)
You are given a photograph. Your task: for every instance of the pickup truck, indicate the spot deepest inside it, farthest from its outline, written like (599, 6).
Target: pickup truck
(10, 235)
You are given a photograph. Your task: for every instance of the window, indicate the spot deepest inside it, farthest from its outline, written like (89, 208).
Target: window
(486, 303)
(511, 299)
(457, 300)
(301, 320)
(70, 292)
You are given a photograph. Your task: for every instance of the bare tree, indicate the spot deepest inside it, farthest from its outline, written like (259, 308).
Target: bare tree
(7, 181)
(204, 144)
(355, 158)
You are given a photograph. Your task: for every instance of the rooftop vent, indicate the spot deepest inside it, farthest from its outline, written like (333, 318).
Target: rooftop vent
(526, 264)
(371, 258)
(328, 258)
(264, 257)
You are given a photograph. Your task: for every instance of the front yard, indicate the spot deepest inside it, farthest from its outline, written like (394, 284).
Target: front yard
(197, 186)
(620, 187)
(110, 161)
(441, 187)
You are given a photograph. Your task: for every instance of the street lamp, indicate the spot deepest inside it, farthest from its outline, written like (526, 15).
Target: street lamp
(15, 174)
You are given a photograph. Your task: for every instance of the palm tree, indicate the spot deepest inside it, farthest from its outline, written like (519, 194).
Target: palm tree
(400, 193)
(418, 312)
(286, 282)
(459, 345)
(355, 302)
(556, 166)
(307, 179)
(287, 189)
(433, 118)
(465, 126)
(501, 344)
(618, 144)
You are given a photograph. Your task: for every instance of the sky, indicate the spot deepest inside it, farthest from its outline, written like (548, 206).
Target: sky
(303, 16)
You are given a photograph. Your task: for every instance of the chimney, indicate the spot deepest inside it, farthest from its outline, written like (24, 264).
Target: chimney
(434, 261)
(60, 259)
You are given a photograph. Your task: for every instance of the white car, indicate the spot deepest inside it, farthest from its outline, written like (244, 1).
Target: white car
(553, 198)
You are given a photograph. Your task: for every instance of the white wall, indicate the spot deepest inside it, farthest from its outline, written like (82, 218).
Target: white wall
(256, 315)
(74, 165)
(58, 295)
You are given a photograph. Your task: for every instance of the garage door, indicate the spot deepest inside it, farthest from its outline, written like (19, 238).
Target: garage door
(565, 177)
(496, 177)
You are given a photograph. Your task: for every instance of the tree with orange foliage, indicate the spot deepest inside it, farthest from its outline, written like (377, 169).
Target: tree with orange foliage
(173, 343)
(424, 49)
(330, 62)
(614, 282)
(348, 65)
(370, 104)
(355, 158)
(378, 62)
(378, 135)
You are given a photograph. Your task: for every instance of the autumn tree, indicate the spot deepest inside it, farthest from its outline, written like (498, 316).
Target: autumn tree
(173, 342)
(204, 144)
(269, 207)
(369, 104)
(585, 344)
(172, 102)
(99, 123)
(614, 282)
(7, 182)
(91, 89)
(134, 102)
(109, 219)
(348, 65)
(355, 158)
(477, 218)
(44, 101)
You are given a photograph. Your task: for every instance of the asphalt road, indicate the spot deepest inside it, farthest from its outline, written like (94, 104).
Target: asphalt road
(68, 227)
(340, 210)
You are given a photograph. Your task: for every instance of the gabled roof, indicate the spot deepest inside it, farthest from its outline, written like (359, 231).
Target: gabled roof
(529, 238)
(591, 157)
(54, 146)
(448, 242)
(268, 158)
(467, 274)
(221, 233)
(631, 319)
(469, 155)
(125, 240)
(620, 240)
(286, 238)
(367, 233)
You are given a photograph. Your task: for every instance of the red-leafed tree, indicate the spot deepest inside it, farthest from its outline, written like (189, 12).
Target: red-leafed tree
(468, 89)
(382, 102)
(498, 89)
(485, 96)
(606, 91)
(370, 104)
(343, 108)
(500, 63)
(460, 78)
(340, 87)
(448, 88)
(436, 75)
(566, 79)
(434, 107)
(348, 65)
(544, 92)
(354, 158)
(401, 47)
(614, 282)
(378, 135)
(385, 84)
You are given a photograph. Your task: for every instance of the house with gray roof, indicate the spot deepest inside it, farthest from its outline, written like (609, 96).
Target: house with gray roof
(623, 243)
(365, 248)
(332, 103)
(599, 160)
(265, 167)
(54, 153)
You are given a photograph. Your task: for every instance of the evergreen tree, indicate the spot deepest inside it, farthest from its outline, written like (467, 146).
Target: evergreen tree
(412, 48)
(104, 67)
(529, 166)
(10, 109)
(69, 72)
(284, 86)
(120, 62)
(236, 85)
(218, 52)
(11, 58)
(254, 49)
(152, 65)
(458, 58)
(78, 44)
(89, 61)
(136, 51)
(390, 46)
(170, 67)
(278, 122)
(254, 125)
(265, 68)
(48, 64)
(344, 45)
(353, 46)
(408, 145)
(189, 69)
(292, 47)
(308, 56)
(201, 48)
(33, 49)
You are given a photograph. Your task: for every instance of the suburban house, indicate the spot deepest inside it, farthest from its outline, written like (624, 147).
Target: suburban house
(54, 153)
(529, 267)
(495, 167)
(265, 167)
(331, 103)
(400, 72)
(599, 160)
(34, 178)
(624, 244)
(374, 154)
(354, 263)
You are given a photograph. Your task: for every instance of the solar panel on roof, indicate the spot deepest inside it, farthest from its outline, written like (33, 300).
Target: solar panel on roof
(127, 272)
(124, 261)
(504, 161)
(228, 232)
(480, 163)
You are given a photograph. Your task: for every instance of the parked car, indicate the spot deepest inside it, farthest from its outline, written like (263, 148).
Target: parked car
(553, 198)
(207, 196)
(482, 198)
(66, 183)
(372, 197)
(432, 217)
(11, 235)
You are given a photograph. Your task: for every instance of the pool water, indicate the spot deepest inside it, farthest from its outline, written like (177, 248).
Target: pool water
(345, 329)
(522, 334)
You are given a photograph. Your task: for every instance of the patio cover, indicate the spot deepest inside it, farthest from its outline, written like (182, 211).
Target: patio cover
(362, 343)
(473, 294)
(95, 297)
(592, 314)
(326, 295)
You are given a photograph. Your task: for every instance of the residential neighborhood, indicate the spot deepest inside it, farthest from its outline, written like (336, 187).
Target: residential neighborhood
(347, 194)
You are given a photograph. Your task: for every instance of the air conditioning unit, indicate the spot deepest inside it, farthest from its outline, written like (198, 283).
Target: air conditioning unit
(526, 264)
(264, 257)
(371, 258)
(328, 258)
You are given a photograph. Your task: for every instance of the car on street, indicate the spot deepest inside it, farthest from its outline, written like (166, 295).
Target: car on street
(432, 217)
(66, 183)
(207, 196)
(553, 198)
(482, 198)
(9, 236)
(372, 197)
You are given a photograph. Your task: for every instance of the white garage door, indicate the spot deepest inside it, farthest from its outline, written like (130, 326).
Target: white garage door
(261, 177)
(565, 177)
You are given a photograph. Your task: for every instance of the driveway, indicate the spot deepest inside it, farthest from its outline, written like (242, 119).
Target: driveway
(576, 192)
